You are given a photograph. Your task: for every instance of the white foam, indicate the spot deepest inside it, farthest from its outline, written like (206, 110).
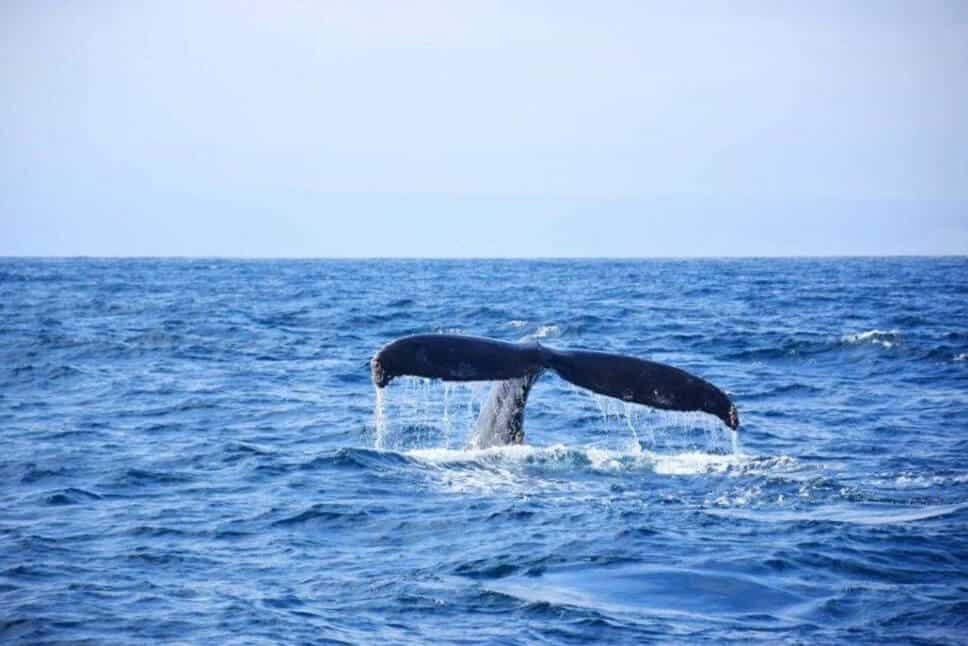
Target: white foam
(740, 498)
(910, 480)
(547, 330)
(524, 470)
(491, 470)
(560, 457)
(961, 357)
(884, 338)
(554, 456)
(695, 463)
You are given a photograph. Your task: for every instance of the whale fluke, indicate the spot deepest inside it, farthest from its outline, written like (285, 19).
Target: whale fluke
(467, 358)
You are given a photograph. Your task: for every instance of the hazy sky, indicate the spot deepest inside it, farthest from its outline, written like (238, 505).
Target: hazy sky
(483, 129)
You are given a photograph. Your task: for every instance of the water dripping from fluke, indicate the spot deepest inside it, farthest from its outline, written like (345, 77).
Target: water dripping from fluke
(379, 420)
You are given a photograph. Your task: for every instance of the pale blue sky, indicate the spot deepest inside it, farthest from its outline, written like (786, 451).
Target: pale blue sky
(483, 129)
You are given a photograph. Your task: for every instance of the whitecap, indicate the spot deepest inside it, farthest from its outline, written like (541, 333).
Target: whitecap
(884, 338)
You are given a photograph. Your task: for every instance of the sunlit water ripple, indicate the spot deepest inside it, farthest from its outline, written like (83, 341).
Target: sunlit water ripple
(192, 453)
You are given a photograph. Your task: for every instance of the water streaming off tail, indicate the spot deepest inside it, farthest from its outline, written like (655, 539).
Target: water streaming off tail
(423, 413)
(658, 430)
(418, 413)
(379, 420)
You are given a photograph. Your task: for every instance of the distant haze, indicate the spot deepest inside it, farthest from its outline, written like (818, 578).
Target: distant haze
(483, 129)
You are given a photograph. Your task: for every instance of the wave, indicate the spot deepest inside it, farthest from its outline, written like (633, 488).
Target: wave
(886, 339)
(70, 496)
(809, 345)
(881, 514)
(325, 514)
(908, 480)
(621, 588)
(789, 390)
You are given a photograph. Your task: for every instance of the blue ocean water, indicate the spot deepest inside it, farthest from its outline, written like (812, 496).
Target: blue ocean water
(192, 453)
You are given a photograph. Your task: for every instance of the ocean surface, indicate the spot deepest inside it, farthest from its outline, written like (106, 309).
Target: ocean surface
(192, 453)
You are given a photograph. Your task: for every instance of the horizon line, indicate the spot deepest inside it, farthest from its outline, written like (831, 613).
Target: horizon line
(526, 258)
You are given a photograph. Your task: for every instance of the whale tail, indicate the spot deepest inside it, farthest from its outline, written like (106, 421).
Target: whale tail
(466, 358)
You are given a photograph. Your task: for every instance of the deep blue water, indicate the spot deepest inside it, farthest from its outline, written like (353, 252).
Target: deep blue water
(190, 455)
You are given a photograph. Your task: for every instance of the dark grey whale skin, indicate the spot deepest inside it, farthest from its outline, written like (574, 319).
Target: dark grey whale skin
(456, 358)
(468, 358)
